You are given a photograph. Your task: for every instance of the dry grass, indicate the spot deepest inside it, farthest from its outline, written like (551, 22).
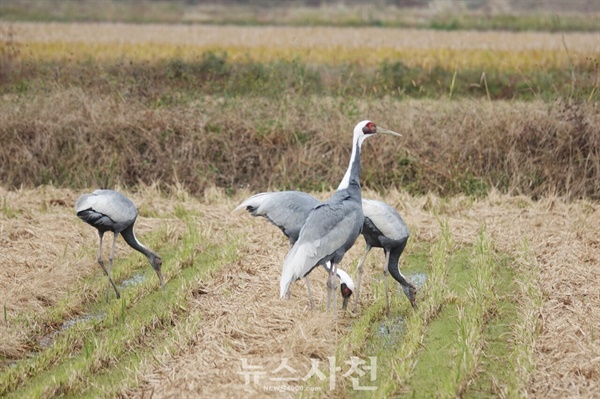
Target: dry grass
(526, 15)
(50, 251)
(298, 37)
(565, 248)
(488, 51)
(242, 316)
(75, 138)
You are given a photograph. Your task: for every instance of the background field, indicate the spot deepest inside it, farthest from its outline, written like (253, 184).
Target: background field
(193, 108)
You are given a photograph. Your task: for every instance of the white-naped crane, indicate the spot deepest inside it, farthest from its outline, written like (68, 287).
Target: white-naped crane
(332, 227)
(288, 210)
(109, 210)
(384, 228)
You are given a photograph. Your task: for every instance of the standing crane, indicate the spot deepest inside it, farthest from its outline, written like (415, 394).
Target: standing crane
(109, 210)
(288, 211)
(332, 227)
(384, 228)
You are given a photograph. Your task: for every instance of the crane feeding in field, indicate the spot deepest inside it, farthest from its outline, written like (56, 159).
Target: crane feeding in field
(384, 228)
(332, 227)
(109, 210)
(288, 210)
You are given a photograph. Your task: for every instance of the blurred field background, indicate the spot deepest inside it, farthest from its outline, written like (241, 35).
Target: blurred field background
(190, 107)
(186, 92)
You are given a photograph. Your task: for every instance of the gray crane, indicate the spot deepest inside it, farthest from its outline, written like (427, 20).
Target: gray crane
(384, 228)
(109, 210)
(288, 211)
(332, 227)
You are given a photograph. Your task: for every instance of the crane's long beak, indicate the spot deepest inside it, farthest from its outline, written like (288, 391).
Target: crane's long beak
(162, 280)
(386, 131)
(344, 303)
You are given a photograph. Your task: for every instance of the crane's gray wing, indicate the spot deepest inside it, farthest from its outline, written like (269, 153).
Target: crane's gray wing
(106, 209)
(287, 210)
(385, 218)
(328, 228)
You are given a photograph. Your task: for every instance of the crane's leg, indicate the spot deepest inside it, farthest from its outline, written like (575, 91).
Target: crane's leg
(385, 278)
(112, 255)
(101, 262)
(335, 293)
(360, 272)
(312, 306)
(334, 288)
(331, 284)
(289, 291)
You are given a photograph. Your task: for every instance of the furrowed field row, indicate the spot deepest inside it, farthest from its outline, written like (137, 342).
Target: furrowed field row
(124, 332)
(446, 348)
(428, 59)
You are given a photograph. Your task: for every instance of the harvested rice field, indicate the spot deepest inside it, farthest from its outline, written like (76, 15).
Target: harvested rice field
(496, 177)
(507, 304)
(366, 46)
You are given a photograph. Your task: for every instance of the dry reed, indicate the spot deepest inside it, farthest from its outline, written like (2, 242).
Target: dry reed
(73, 138)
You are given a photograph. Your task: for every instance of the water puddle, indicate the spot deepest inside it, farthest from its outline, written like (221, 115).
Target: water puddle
(136, 279)
(7, 364)
(391, 328)
(418, 279)
(47, 340)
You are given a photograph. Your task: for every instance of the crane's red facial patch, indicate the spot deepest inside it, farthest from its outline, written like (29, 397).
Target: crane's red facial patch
(370, 128)
(346, 292)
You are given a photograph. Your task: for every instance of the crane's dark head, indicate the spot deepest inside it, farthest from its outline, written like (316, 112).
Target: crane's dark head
(369, 127)
(156, 263)
(346, 293)
(346, 286)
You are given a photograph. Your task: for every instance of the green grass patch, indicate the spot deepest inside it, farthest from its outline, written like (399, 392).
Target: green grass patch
(164, 80)
(462, 340)
(109, 347)
(495, 375)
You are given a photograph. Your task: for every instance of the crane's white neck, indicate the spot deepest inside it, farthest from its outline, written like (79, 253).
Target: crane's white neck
(353, 171)
(342, 275)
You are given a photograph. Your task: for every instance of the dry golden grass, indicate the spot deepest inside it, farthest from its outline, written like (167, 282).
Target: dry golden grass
(563, 240)
(298, 37)
(499, 50)
(75, 138)
(242, 315)
(565, 246)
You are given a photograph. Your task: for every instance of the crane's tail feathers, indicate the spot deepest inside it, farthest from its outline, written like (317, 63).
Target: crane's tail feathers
(284, 290)
(253, 203)
(298, 262)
